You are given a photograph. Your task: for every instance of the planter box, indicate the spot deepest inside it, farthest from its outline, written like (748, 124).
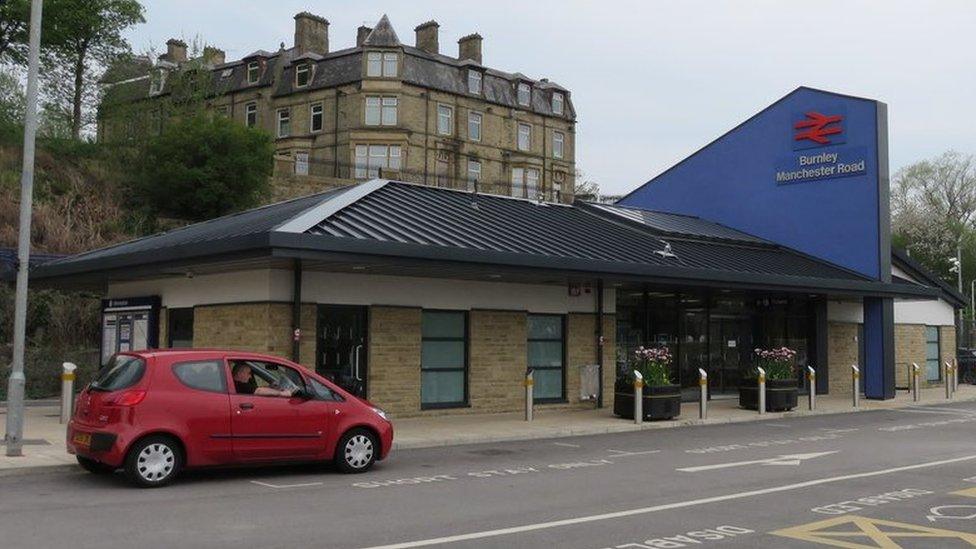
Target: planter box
(661, 402)
(781, 395)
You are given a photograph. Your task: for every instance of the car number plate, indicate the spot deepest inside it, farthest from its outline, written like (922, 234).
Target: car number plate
(82, 439)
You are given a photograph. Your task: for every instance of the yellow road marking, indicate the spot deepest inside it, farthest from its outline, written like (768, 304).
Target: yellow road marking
(971, 492)
(867, 533)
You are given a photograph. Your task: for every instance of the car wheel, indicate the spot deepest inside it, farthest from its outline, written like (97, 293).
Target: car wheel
(95, 467)
(356, 451)
(153, 461)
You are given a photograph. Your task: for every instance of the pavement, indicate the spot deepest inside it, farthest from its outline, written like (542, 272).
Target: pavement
(898, 477)
(45, 437)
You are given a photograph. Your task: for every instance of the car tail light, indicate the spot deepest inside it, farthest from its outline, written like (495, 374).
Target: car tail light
(127, 398)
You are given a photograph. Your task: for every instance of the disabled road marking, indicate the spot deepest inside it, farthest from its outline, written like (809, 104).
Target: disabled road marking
(965, 512)
(868, 533)
(789, 459)
(485, 534)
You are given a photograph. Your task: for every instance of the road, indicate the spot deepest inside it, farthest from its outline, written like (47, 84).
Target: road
(875, 479)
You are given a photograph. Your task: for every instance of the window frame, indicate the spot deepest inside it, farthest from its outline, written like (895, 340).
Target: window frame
(253, 67)
(449, 109)
(562, 103)
(466, 402)
(365, 167)
(308, 74)
(560, 138)
(251, 109)
(519, 88)
(260, 362)
(307, 156)
(286, 119)
(528, 137)
(938, 356)
(472, 181)
(521, 171)
(475, 76)
(311, 117)
(170, 323)
(382, 103)
(387, 60)
(563, 342)
(220, 368)
(472, 115)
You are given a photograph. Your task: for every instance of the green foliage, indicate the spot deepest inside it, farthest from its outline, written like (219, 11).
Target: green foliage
(12, 104)
(14, 15)
(202, 167)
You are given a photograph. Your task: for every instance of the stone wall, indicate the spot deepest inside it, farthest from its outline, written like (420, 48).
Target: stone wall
(841, 353)
(909, 348)
(163, 327)
(947, 344)
(581, 343)
(497, 360)
(394, 359)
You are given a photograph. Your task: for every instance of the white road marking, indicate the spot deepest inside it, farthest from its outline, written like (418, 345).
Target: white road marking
(566, 444)
(789, 459)
(939, 411)
(625, 453)
(961, 411)
(269, 485)
(665, 507)
(968, 513)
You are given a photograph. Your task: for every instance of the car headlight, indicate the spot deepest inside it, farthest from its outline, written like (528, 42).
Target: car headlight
(380, 413)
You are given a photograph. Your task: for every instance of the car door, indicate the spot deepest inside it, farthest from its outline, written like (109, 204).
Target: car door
(274, 427)
(200, 394)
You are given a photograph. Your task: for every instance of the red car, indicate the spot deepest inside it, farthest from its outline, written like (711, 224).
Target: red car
(154, 412)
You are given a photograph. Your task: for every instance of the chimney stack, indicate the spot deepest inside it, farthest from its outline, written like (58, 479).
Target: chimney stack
(175, 50)
(213, 56)
(311, 33)
(427, 36)
(361, 34)
(469, 47)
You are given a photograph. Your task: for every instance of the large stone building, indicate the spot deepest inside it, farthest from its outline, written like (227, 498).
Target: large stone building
(380, 108)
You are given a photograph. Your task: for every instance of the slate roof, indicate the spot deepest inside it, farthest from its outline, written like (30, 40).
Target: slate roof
(404, 222)
(435, 71)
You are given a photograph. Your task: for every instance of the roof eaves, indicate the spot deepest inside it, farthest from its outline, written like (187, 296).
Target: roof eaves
(905, 261)
(332, 204)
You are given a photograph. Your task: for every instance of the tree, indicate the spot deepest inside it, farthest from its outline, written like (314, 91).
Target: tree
(14, 16)
(82, 35)
(12, 103)
(204, 166)
(933, 206)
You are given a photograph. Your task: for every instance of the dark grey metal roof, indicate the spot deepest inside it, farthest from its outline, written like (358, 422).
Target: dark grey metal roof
(677, 224)
(439, 229)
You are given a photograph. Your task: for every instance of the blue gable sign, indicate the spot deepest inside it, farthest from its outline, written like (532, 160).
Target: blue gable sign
(808, 172)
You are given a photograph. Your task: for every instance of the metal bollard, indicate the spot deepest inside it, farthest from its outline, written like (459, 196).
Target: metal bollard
(915, 388)
(955, 375)
(812, 382)
(67, 391)
(529, 400)
(856, 385)
(638, 398)
(948, 380)
(703, 397)
(762, 391)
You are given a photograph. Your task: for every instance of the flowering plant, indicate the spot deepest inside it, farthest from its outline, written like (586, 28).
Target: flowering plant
(654, 364)
(779, 363)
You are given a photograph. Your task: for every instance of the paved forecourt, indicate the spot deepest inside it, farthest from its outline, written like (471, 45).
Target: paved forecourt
(778, 483)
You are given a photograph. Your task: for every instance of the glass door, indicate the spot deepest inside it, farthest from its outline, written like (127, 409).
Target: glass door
(341, 346)
(731, 351)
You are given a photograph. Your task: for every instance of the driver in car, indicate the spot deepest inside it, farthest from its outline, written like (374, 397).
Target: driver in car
(245, 385)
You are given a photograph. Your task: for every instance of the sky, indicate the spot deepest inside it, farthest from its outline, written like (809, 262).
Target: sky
(653, 81)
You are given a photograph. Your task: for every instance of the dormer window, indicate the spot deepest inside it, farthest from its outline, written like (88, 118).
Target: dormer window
(382, 64)
(557, 103)
(156, 82)
(524, 94)
(474, 82)
(253, 72)
(303, 73)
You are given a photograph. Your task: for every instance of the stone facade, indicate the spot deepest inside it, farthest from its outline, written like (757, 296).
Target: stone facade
(497, 360)
(434, 103)
(909, 349)
(394, 359)
(947, 344)
(841, 353)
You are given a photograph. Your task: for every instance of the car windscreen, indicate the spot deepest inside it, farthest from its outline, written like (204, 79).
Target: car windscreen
(122, 371)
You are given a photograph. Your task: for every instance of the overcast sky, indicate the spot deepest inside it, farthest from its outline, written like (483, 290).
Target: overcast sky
(652, 81)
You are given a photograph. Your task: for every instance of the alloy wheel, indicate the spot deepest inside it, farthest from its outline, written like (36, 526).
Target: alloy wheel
(359, 451)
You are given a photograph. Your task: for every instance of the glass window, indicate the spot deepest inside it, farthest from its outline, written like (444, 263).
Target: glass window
(558, 180)
(524, 94)
(474, 126)
(373, 111)
(269, 374)
(442, 171)
(207, 375)
(122, 371)
(443, 361)
(524, 137)
(518, 182)
(301, 163)
(546, 356)
(474, 173)
(381, 111)
(253, 72)
(370, 159)
(180, 328)
(532, 183)
(302, 74)
(933, 368)
(374, 64)
(445, 119)
(321, 391)
(284, 122)
(315, 124)
(251, 115)
(390, 63)
(474, 82)
(557, 144)
(557, 103)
